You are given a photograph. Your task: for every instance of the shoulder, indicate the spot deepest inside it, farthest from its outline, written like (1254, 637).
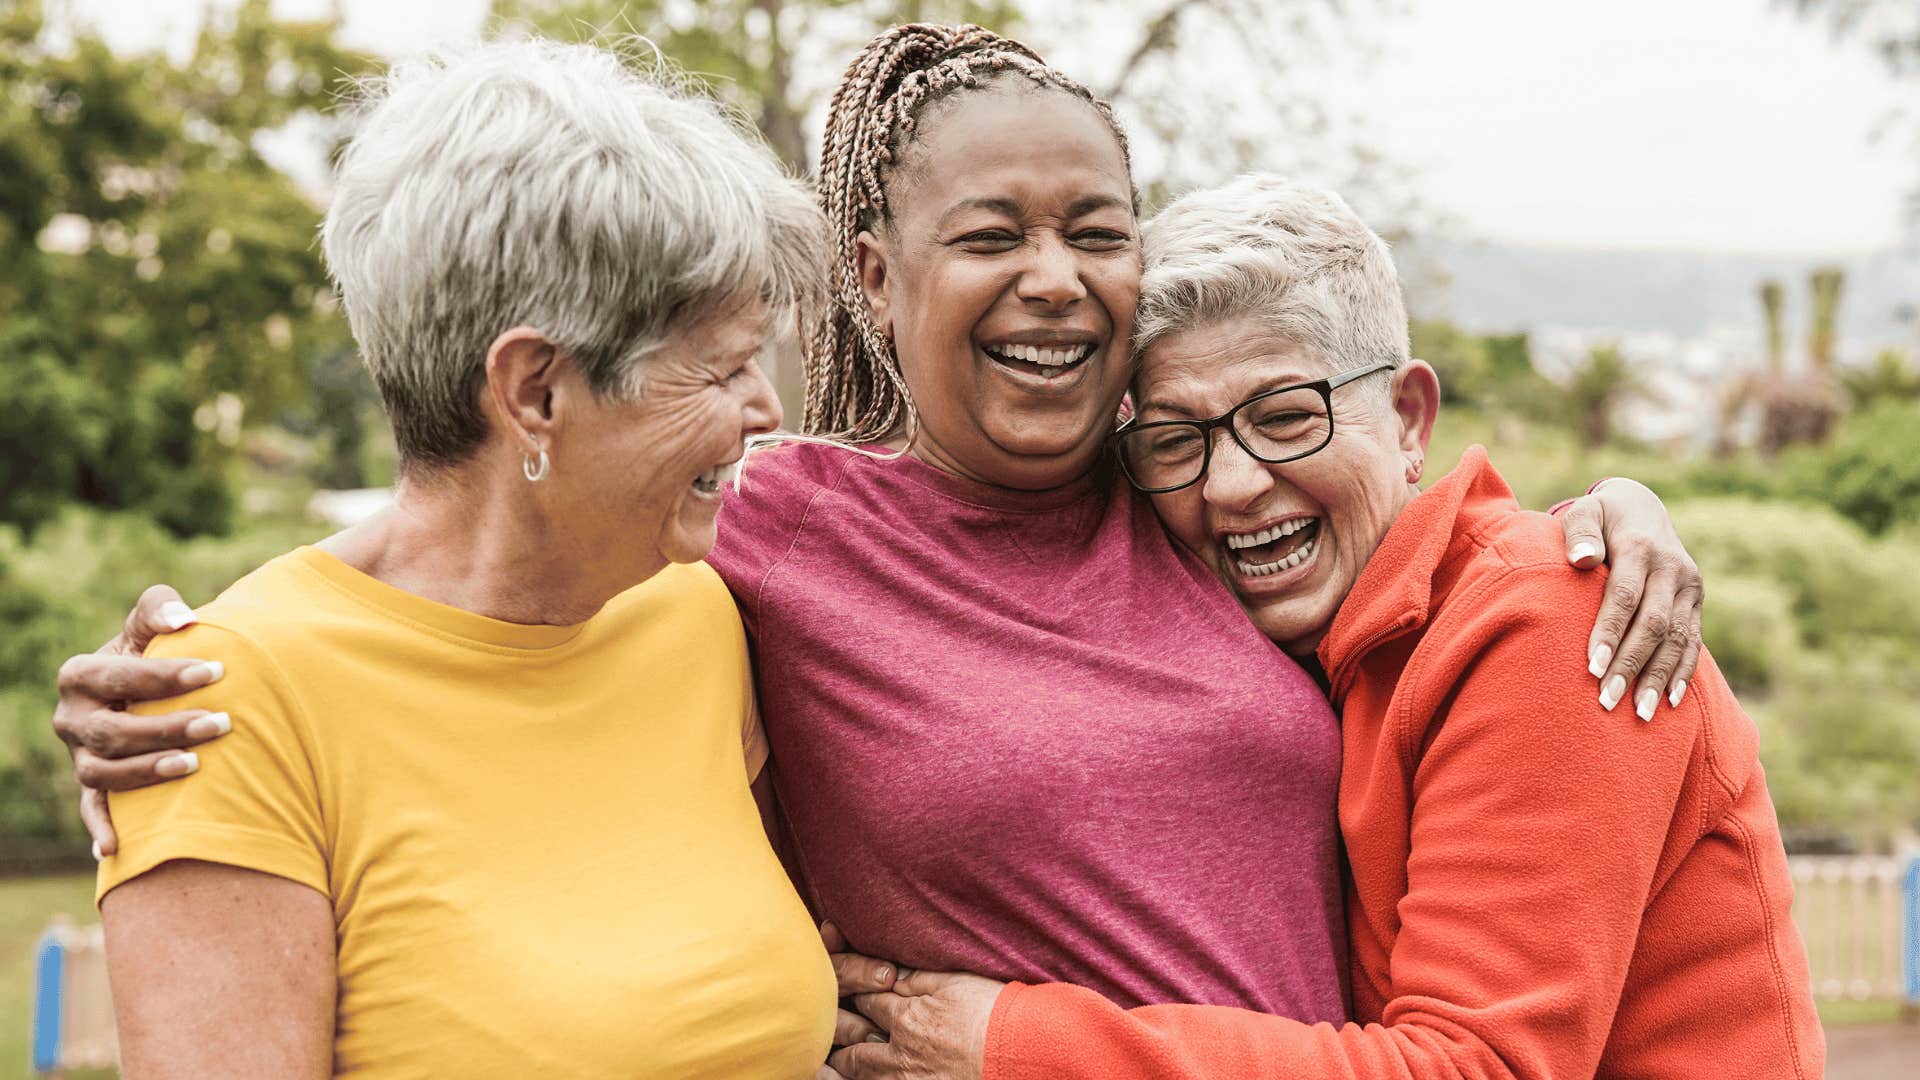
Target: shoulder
(260, 619)
(770, 503)
(687, 598)
(1516, 566)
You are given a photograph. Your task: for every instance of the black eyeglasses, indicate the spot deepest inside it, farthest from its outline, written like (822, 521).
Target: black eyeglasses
(1285, 424)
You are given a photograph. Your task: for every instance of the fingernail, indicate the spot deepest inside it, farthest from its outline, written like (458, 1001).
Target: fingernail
(1583, 550)
(1645, 702)
(1678, 691)
(883, 973)
(178, 764)
(877, 1038)
(202, 673)
(210, 725)
(96, 852)
(1598, 659)
(175, 615)
(1611, 693)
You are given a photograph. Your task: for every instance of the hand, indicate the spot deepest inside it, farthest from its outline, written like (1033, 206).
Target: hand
(935, 1024)
(1654, 594)
(115, 750)
(854, 974)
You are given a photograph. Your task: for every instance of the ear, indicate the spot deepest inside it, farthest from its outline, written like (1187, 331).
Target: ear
(523, 368)
(1416, 402)
(871, 253)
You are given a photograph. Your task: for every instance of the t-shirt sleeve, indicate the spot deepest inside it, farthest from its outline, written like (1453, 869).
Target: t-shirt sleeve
(254, 803)
(760, 518)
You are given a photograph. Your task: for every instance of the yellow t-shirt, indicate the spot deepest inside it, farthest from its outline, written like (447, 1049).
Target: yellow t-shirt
(539, 842)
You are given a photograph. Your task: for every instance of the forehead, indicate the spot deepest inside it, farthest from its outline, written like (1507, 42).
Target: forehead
(1206, 370)
(1037, 145)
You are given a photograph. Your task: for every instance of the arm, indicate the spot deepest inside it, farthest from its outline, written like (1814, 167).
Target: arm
(1648, 631)
(247, 993)
(1535, 838)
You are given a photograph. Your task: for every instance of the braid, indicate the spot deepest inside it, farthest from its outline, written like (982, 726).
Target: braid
(855, 390)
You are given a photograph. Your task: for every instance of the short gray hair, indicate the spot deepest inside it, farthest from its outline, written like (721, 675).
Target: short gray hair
(556, 186)
(1292, 257)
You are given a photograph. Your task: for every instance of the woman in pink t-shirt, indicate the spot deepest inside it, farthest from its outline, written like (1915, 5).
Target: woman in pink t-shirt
(1014, 730)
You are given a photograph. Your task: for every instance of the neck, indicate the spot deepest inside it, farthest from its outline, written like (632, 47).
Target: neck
(478, 538)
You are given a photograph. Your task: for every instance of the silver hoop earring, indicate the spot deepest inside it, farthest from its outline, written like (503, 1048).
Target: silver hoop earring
(535, 473)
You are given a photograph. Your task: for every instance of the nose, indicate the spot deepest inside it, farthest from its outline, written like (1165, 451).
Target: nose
(762, 412)
(1235, 480)
(1052, 278)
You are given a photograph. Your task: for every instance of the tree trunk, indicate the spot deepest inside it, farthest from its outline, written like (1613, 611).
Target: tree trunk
(779, 113)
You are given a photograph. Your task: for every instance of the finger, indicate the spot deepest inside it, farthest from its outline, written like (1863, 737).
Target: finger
(1586, 546)
(883, 1009)
(126, 774)
(1625, 583)
(832, 938)
(828, 1072)
(850, 1027)
(1689, 660)
(160, 611)
(1662, 668)
(857, 974)
(98, 819)
(102, 679)
(1645, 634)
(114, 734)
(864, 1061)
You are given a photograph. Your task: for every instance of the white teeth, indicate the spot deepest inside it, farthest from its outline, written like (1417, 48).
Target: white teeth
(1269, 534)
(1034, 354)
(1302, 554)
(714, 477)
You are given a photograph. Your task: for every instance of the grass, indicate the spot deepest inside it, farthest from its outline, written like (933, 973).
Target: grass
(1848, 1013)
(25, 906)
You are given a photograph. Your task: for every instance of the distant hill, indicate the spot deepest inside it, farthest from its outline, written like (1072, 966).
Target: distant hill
(1492, 287)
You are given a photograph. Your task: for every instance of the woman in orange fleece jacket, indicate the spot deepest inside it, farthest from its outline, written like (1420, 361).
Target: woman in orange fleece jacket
(1539, 887)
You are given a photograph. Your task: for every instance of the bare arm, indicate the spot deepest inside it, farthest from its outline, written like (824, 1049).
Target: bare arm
(219, 971)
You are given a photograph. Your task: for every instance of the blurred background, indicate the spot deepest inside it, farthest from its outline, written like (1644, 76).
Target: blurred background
(1674, 242)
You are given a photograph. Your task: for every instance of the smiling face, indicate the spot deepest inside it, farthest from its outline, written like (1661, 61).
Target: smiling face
(647, 472)
(1007, 277)
(1288, 539)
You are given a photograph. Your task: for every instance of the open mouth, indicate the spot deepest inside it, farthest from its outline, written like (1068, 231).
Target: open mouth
(1047, 362)
(1274, 548)
(707, 483)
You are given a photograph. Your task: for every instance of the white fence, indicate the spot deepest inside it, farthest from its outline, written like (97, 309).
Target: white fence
(1857, 916)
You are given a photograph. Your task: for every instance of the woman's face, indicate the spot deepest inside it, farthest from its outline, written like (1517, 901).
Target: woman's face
(647, 472)
(1007, 279)
(1334, 506)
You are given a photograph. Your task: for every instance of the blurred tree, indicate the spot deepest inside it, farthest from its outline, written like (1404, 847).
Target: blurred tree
(1773, 302)
(1598, 387)
(1891, 377)
(162, 278)
(1825, 285)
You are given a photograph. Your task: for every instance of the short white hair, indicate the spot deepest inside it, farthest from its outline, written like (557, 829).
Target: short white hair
(1294, 258)
(555, 186)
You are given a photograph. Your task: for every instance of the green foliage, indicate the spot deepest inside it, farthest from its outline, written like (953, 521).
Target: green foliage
(156, 261)
(1870, 471)
(69, 587)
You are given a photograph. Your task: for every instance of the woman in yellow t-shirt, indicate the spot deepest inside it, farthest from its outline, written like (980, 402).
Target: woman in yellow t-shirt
(560, 274)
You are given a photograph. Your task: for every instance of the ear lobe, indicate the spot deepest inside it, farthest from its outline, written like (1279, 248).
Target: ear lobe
(876, 284)
(522, 370)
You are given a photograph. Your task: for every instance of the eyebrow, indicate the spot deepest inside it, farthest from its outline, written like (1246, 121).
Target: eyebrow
(1182, 413)
(1085, 204)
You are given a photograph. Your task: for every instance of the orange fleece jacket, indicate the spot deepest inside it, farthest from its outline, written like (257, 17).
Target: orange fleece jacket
(1538, 888)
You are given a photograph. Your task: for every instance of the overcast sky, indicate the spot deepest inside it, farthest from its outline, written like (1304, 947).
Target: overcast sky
(1694, 125)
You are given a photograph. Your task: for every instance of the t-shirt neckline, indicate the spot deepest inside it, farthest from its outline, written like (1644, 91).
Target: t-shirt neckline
(447, 620)
(993, 496)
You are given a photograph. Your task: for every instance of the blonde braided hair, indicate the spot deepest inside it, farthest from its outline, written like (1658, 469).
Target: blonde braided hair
(855, 390)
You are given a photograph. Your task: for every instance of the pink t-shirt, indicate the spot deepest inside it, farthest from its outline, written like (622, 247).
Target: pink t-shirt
(1019, 734)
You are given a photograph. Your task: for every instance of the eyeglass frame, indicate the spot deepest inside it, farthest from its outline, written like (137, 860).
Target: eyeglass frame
(1324, 387)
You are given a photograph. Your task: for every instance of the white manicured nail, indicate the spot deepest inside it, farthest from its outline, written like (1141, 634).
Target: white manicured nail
(202, 673)
(209, 726)
(1598, 659)
(175, 615)
(1676, 692)
(1645, 702)
(178, 764)
(1611, 693)
(96, 852)
(1585, 549)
